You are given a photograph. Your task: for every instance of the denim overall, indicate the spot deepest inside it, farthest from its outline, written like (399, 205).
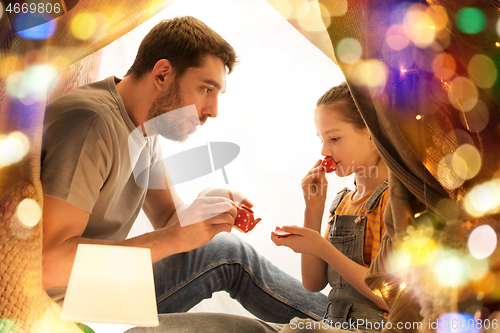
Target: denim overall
(348, 308)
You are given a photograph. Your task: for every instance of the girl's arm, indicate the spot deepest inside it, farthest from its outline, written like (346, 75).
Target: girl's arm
(312, 245)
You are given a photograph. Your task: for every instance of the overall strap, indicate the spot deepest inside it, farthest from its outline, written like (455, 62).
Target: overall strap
(338, 199)
(374, 199)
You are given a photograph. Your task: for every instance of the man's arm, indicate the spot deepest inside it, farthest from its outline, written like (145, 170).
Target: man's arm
(64, 224)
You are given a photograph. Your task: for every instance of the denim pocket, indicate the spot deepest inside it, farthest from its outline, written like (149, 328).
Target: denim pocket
(344, 244)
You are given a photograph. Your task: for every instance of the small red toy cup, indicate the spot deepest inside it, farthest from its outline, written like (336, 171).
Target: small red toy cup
(329, 164)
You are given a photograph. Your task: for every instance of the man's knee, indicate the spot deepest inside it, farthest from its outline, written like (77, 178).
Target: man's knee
(231, 246)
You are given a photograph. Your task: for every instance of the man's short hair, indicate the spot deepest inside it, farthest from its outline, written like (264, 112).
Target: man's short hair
(184, 41)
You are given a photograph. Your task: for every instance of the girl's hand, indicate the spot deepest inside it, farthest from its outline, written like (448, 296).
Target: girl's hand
(314, 186)
(302, 240)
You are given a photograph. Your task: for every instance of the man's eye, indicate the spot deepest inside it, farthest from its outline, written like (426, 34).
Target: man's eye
(207, 90)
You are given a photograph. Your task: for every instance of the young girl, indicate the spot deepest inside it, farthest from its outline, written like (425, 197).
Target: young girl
(343, 256)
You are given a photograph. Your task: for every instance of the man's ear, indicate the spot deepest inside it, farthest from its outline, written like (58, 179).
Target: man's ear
(162, 73)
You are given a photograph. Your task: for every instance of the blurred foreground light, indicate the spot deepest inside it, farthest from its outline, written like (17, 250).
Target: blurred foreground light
(482, 242)
(399, 262)
(349, 50)
(457, 323)
(337, 7)
(476, 119)
(313, 16)
(446, 174)
(83, 26)
(29, 212)
(444, 66)
(471, 158)
(483, 199)
(395, 37)
(462, 94)
(371, 73)
(439, 16)
(482, 71)
(470, 20)
(41, 31)
(13, 148)
(450, 270)
(30, 86)
(419, 27)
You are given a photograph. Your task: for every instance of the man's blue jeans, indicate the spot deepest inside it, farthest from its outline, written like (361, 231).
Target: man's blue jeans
(228, 263)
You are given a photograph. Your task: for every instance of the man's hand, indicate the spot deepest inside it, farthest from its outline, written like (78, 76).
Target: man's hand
(205, 218)
(302, 240)
(236, 197)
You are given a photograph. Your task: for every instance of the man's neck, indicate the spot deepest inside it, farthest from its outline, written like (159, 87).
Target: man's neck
(137, 98)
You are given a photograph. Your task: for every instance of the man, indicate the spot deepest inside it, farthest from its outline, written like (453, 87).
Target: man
(91, 194)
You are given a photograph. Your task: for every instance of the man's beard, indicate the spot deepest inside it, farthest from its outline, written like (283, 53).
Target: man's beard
(167, 119)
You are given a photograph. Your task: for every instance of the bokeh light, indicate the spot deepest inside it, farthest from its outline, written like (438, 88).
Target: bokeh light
(399, 262)
(476, 119)
(418, 243)
(30, 85)
(349, 50)
(482, 71)
(498, 27)
(462, 93)
(470, 20)
(40, 31)
(419, 27)
(83, 26)
(482, 242)
(439, 16)
(445, 173)
(483, 198)
(337, 7)
(29, 212)
(371, 73)
(466, 161)
(12, 150)
(457, 323)
(307, 16)
(450, 269)
(395, 37)
(444, 66)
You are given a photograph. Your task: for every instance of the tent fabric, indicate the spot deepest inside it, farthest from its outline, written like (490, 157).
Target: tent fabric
(416, 124)
(24, 306)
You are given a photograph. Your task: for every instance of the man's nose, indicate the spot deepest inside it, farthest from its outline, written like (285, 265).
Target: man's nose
(211, 110)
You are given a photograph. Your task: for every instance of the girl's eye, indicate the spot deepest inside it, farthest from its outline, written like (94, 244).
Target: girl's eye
(335, 139)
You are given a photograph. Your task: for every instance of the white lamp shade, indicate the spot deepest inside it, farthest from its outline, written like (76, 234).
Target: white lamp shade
(111, 284)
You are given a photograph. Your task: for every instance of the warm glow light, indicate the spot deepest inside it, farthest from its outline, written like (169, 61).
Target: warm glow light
(445, 174)
(337, 7)
(11, 150)
(29, 212)
(472, 161)
(349, 50)
(482, 242)
(418, 27)
(313, 16)
(83, 26)
(418, 117)
(371, 73)
(444, 66)
(497, 44)
(450, 270)
(476, 119)
(438, 15)
(483, 198)
(395, 37)
(482, 71)
(399, 262)
(462, 94)
(402, 286)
